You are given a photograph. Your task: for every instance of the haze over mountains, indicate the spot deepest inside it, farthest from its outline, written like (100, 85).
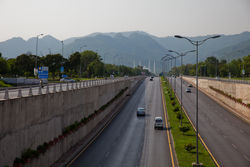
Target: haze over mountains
(131, 47)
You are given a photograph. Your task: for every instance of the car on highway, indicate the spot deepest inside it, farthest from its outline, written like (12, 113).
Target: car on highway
(67, 80)
(188, 90)
(140, 111)
(158, 123)
(190, 85)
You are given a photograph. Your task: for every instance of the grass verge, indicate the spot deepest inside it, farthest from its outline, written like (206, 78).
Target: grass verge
(2, 84)
(184, 140)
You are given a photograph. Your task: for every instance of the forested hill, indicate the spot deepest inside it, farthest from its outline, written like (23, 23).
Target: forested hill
(129, 47)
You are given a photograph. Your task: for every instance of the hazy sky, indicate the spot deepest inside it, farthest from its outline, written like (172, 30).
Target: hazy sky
(68, 18)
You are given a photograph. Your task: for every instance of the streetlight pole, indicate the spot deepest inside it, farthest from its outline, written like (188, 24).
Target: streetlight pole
(172, 57)
(37, 48)
(181, 55)
(80, 72)
(196, 44)
(62, 47)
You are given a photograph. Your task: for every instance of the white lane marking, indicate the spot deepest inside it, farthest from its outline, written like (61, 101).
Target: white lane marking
(234, 146)
(248, 159)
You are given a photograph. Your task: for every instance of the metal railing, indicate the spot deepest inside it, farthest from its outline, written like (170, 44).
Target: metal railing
(25, 91)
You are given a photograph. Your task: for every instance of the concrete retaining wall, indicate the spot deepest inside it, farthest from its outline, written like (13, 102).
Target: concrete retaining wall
(30, 121)
(236, 90)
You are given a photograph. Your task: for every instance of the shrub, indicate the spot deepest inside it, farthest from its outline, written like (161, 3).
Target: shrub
(189, 147)
(184, 129)
(41, 148)
(239, 100)
(179, 116)
(173, 103)
(176, 109)
(171, 98)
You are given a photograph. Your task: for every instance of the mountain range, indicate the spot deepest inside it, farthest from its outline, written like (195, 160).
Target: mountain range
(131, 48)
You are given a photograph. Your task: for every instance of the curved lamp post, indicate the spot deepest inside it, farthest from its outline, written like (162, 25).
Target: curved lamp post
(197, 44)
(181, 55)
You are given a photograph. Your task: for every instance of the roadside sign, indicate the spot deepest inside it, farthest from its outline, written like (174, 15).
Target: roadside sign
(43, 72)
(243, 72)
(35, 71)
(62, 69)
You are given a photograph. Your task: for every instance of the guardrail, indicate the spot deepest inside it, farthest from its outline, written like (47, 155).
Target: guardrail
(222, 79)
(24, 91)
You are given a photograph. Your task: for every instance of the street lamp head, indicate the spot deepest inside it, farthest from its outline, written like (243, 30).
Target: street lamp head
(217, 36)
(178, 36)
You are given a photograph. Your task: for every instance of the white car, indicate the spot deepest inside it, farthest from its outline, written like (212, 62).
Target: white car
(67, 80)
(158, 123)
(140, 111)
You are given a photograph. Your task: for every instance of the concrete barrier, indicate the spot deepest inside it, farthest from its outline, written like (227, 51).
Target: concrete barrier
(237, 90)
(30, 121)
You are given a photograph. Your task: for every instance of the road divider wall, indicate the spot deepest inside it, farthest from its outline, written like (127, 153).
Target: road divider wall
(28, 122)
(236, 90)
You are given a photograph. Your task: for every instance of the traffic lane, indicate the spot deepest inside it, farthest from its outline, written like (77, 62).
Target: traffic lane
(120, 144)
(226, 135)
(156, 149)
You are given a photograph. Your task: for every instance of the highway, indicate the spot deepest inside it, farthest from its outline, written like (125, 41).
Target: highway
(227, 136)
(130, 141)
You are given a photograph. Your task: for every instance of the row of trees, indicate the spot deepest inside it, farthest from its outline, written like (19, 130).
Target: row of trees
(84, 64)
(213, 67)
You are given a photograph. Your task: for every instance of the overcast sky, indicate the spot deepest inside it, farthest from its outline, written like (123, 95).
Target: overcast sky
(70, 18)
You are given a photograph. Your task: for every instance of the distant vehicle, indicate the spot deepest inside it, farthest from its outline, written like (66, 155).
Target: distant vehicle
(190, 85)
(158, 123)
(151, 79)
(140, 111)
(188, 90)
(67, 80)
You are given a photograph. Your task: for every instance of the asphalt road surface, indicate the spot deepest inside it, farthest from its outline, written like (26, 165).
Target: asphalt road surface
(130, 141)
(226, 135)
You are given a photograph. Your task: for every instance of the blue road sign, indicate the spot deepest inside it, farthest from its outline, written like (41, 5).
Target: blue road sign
(62, 69)
(43, 72)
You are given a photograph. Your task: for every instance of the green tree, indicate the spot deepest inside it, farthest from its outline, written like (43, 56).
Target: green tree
(211, 64)
(24, 63)
(54, 62)
(4, 66)
(12, 64)
(74, 62)
(235, 67)
(246, 62)
(95, 68)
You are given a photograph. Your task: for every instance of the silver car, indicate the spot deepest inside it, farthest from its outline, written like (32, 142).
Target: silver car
(158, 123)
(188, 90)
(140, 111)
